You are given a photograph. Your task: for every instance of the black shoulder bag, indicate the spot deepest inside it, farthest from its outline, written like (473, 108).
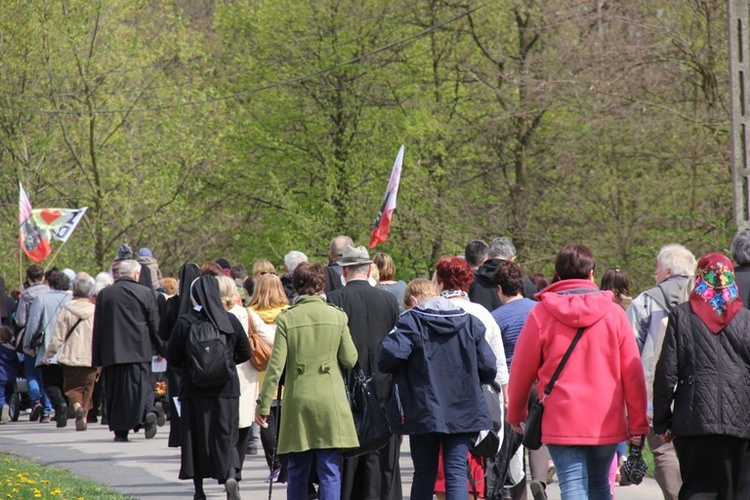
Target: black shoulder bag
(370, 422)
(532, 436)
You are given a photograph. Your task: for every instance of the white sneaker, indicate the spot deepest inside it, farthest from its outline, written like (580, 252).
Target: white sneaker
(5, 415)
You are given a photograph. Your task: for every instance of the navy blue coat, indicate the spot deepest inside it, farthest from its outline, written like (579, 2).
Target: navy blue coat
(9, 363)
(439, 358)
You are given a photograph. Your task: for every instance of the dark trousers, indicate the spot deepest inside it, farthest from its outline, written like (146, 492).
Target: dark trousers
(424, 453)
(243, 437)
(270, 441)
(714, 467)
(52, 379)
(7, 388)
(374, 475)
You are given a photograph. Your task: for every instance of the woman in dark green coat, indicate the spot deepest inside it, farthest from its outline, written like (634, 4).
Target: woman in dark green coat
(313, 342)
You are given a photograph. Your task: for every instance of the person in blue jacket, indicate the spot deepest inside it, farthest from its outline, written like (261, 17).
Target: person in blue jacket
(439, 358)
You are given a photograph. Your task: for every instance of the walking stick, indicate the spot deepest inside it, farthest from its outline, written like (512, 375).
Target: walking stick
(276, 419)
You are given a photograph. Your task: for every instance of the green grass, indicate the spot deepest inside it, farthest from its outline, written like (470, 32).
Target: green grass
(22, 479)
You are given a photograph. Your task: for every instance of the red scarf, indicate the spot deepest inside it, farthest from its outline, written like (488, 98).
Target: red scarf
(714, 298)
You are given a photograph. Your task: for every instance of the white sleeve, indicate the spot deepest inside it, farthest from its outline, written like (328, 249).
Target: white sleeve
(495, 339)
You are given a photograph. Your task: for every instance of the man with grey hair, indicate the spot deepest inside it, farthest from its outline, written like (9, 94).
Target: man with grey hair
(648, 314)
(740, 249)
(126, 323)
(333, 270)
(291, 261)
(483, 289)
(372, 313)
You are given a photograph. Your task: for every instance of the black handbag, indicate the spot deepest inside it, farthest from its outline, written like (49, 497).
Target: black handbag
(370, 421)
(487, 443)
(532, 434)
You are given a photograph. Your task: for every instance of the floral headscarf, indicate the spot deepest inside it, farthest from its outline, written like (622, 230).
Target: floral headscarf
(714, 298)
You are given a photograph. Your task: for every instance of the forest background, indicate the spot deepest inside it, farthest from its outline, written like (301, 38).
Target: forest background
(248, 128)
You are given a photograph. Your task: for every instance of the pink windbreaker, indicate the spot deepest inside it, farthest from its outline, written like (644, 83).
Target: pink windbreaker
(600, 395)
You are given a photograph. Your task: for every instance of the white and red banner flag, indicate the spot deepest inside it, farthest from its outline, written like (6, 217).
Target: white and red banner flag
(383, 222)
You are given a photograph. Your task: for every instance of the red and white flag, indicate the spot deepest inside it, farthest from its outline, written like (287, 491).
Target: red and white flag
(383, 222)
(58, 223)
(32, 239)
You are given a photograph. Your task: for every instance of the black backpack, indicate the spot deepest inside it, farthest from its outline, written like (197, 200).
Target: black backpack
(209, 360)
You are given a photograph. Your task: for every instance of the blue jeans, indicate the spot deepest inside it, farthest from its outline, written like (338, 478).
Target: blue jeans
(424, 454)
(328, 466)
(583, 471)
(34, 379)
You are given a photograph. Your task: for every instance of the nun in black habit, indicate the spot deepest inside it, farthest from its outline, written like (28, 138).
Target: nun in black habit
(175, 307)
(209, 417)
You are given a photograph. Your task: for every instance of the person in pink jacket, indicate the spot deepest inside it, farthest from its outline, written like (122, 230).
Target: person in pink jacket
(599, 398)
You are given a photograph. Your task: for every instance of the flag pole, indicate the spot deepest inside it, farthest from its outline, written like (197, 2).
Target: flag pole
(54, 256)
(20, 264)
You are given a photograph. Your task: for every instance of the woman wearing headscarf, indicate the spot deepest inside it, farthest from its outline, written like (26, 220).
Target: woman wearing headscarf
(702, 386)
(210, 416)
(176, 306)
(314, 343)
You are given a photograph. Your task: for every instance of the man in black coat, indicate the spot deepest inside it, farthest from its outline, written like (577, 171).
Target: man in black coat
(334, 270)
(126, 323)
(372, 314)
(483, 289)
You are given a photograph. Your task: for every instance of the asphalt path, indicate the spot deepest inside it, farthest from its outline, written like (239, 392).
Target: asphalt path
(148, 469)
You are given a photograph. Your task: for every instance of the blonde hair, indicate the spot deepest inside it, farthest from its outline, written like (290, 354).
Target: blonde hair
(228, 291)
(386, 266)
(374, 272)
(420, 288)
(170, 285)
(263, 266)
(268, 293)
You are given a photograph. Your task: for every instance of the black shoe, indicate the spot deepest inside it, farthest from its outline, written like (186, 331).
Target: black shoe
(61, 415)
(161, 418)
(91, 417)
(122, 438)
(233, 489)
(150, 425)
(36, 411)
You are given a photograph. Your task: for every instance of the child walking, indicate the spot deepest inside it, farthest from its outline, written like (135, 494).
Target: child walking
(9, 365)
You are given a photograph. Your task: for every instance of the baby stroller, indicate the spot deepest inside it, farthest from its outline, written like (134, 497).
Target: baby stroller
(20, 400)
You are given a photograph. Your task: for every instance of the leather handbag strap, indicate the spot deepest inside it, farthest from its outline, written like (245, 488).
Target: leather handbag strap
(71, 329)
(564, 360)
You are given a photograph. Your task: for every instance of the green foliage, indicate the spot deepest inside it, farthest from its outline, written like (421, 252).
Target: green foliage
(246, 129)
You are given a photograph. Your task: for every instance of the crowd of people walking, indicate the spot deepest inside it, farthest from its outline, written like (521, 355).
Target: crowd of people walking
(267, 362)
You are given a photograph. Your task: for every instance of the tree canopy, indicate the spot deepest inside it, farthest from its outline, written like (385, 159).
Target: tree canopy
(246, 129)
